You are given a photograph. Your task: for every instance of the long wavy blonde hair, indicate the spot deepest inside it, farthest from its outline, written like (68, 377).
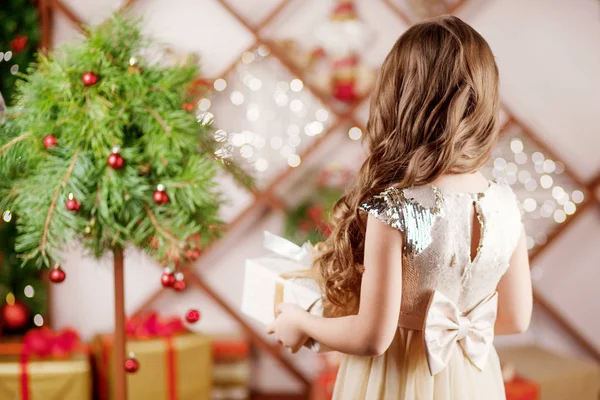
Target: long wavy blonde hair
(434, 111)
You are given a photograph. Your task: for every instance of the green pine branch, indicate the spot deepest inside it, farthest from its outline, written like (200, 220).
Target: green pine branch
(137, 108)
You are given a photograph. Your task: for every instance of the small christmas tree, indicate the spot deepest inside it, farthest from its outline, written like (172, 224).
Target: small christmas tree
(103, 147)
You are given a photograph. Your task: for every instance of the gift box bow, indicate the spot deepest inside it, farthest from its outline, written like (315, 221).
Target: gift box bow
(44, 342)
(303, 255)
(152, 325)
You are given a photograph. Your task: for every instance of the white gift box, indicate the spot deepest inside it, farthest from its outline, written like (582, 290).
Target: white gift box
(281, 277)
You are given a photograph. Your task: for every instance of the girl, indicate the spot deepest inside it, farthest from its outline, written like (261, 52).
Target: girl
(427, 260)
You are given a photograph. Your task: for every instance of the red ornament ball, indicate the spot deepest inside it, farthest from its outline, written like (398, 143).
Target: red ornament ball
(50, 141)
(57, 275)
(168, 279)
(187, 107)
(192, 316)
(73, 205)
(132, 365)
(115, 161)
(179, 285)
(160, 196)
(89, 78)
(14, 316)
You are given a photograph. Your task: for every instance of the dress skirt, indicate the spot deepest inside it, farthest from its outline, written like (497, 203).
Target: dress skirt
(402, 373)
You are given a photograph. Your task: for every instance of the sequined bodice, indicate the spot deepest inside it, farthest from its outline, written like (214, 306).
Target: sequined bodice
(437, 224)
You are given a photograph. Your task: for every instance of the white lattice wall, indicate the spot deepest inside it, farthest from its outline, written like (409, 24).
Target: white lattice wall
(550, 73)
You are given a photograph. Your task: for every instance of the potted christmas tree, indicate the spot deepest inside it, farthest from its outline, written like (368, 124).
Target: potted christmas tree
(103, 147)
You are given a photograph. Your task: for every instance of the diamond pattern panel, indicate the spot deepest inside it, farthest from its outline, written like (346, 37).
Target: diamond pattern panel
(337, 151)
(160, 17)
(563, 274)
(266, 115)
(548, 194)
(417, 10)
(254, 11)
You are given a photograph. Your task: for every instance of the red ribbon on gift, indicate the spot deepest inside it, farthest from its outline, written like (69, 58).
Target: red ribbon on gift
(150, 326)
(44, 343)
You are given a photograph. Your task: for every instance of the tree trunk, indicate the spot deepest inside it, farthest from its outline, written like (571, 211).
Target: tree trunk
(119, 374)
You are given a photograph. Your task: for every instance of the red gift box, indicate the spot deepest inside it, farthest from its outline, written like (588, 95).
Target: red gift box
(521, 389)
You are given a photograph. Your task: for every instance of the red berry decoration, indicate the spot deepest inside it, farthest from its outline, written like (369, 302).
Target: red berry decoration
(192, 316)
(168, 279)
(187, 107)
(89, 78)
(132, 365)
(115, 161)
(160, 196)
(50, 141)
(57, 275)
(72, 204)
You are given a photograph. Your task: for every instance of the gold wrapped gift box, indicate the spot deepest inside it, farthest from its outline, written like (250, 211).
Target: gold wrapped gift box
(559, 377)
(45, 379)
(171, 368)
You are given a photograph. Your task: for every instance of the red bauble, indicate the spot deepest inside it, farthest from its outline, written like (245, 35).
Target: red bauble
(187, 107)
(165, 198)
(14, 316)
(192, 316)
(50, 141)
(160, 196)
(89, 78)
(115, 161)
(179, 285)
(168, 279)
(132, 365)
(57, 275)
(73, 205)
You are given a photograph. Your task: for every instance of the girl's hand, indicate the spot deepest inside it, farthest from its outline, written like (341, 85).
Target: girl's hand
(287, 326)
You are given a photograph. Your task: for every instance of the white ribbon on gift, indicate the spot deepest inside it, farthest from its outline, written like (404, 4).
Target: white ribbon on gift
(445, 326)
(301, 254)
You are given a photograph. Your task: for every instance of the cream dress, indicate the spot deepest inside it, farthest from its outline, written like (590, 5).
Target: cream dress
(437, 225)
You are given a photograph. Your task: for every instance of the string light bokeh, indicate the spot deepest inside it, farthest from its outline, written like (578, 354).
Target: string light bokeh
(547, 193)
(275, 116)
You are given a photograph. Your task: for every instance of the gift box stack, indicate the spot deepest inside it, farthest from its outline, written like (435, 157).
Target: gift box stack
(173, 363)
(231, 367)
(45, 365)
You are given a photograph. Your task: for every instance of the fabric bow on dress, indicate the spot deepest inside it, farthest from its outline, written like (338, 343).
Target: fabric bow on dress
(445, 325)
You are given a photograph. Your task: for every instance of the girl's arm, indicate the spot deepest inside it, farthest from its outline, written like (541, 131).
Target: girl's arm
(515, 301)
(372, 330)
